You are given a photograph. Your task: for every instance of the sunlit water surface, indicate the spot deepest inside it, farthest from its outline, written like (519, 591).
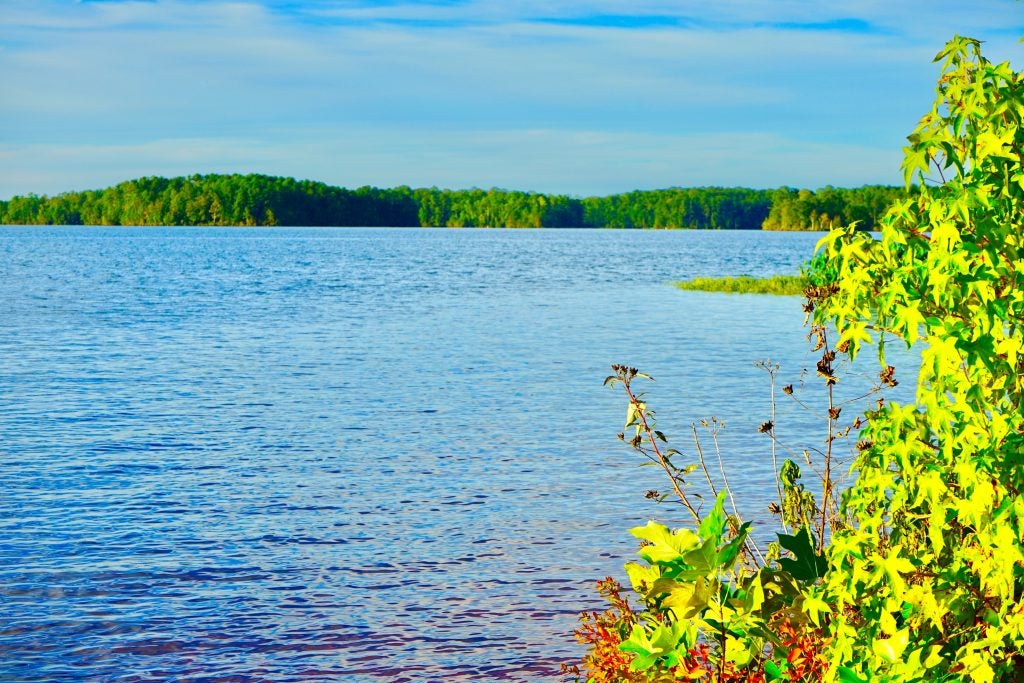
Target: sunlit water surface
(353, 454)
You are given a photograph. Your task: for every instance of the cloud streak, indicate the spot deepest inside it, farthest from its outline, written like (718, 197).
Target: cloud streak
(474, 92)
(577, 162)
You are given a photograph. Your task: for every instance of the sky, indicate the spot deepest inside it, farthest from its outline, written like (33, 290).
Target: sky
(581, 98)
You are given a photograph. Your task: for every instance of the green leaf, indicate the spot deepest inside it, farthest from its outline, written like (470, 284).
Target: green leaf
(713, 525)
(642, 646)
(805, 565)
(631, 415)
(847, 675)
(730, 551)
(703, 560)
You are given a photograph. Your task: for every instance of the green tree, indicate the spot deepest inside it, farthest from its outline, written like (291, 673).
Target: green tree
(927, 581)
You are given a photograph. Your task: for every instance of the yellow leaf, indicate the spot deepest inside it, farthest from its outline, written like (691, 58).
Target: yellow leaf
(945, 236)
(990, 144)
(891, 649)
(686, 599)
(934, 657)
(978, 668)
(815, 607)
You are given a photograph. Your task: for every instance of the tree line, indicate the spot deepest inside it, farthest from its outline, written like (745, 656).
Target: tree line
(261, 200)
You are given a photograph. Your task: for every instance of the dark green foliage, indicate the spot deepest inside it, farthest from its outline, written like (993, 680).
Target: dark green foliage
(707, 208)
(806, 564)
(830, 207)
(268, 200)
(496, 208)
(217, 200)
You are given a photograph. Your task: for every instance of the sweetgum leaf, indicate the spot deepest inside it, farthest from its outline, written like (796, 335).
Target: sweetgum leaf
(806, 564)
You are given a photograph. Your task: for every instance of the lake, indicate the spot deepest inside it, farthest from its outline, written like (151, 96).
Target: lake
(269, 455)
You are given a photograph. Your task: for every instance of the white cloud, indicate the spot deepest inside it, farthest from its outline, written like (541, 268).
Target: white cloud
(256, 80)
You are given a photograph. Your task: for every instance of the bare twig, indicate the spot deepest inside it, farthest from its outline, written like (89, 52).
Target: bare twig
(626, 375)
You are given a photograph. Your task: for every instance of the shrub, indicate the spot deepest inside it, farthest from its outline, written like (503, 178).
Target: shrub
(918, 574)
(927, 581)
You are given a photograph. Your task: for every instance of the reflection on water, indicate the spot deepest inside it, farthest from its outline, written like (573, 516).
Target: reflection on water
(361, 455)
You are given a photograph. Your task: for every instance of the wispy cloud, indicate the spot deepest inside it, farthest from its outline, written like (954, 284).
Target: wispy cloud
(474, 91)
(578, 162)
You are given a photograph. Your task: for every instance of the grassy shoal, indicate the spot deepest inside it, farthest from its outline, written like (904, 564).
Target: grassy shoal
(785, 285)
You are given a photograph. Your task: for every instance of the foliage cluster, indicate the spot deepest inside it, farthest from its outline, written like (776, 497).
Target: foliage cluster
(215, 200)
(831, 207)
(916, 572)
(927, 581)
(268, 200)
(709, 208)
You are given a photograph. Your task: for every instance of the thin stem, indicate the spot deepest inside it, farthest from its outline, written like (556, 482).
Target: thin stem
(750, 548)
(721, 468)
(657, 451)
(703, 464)
(775, 460)
(827, 478)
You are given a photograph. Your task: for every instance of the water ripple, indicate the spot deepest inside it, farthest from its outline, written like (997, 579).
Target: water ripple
(365, 455)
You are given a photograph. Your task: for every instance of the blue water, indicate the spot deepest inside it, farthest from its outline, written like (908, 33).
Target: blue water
(352, 454)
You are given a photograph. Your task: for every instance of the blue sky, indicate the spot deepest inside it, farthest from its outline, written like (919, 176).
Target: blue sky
(581, 98)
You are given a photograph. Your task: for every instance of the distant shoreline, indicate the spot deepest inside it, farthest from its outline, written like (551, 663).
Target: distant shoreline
(260, 200)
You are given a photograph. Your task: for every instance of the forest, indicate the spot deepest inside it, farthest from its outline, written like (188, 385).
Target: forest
(261, 200)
